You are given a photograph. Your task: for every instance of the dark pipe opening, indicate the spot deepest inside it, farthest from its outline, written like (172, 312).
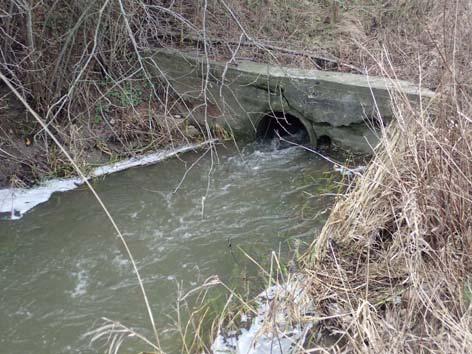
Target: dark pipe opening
(284, 126)
(323, 142)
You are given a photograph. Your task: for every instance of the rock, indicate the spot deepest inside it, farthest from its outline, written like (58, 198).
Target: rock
(191, 132)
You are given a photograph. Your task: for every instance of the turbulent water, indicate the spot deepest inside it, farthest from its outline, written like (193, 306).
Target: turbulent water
(62, 268)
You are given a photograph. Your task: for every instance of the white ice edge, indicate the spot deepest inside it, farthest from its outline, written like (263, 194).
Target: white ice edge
(15, 202)
(344, 171)
(271, 330)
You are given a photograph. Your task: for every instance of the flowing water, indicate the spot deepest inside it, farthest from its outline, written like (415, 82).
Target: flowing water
(62, 269)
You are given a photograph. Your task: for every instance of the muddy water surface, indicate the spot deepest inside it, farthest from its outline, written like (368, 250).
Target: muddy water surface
(62, 268)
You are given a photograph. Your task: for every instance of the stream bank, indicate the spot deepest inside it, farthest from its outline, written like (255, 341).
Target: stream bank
(28, 156)
(15, 202)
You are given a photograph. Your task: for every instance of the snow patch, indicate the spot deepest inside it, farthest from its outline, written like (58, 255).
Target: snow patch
(272, 330)
(16, 201)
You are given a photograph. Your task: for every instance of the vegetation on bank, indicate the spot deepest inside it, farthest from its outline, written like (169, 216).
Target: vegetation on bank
(85, 67)
(391, 270)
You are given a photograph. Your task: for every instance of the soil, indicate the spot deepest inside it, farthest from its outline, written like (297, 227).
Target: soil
(27, 154)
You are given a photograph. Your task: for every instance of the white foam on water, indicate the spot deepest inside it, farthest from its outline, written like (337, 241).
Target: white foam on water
(15, 202)
(23, 312)
(81, 285)
(121, 262)
(264, 155)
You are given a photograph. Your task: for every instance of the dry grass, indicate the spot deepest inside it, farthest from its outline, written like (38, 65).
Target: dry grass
(392, 266)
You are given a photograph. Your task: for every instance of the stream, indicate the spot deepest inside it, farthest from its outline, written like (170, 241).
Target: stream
(62, 268)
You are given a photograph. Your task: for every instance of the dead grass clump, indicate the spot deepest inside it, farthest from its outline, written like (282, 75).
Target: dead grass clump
(391, 271)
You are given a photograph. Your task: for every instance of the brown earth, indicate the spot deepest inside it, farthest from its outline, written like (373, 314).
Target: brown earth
(27, 155)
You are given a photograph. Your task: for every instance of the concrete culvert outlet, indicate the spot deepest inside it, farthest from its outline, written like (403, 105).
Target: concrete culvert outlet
(284, 127)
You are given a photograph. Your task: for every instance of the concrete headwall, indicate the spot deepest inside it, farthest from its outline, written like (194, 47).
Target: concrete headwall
(339, 105)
